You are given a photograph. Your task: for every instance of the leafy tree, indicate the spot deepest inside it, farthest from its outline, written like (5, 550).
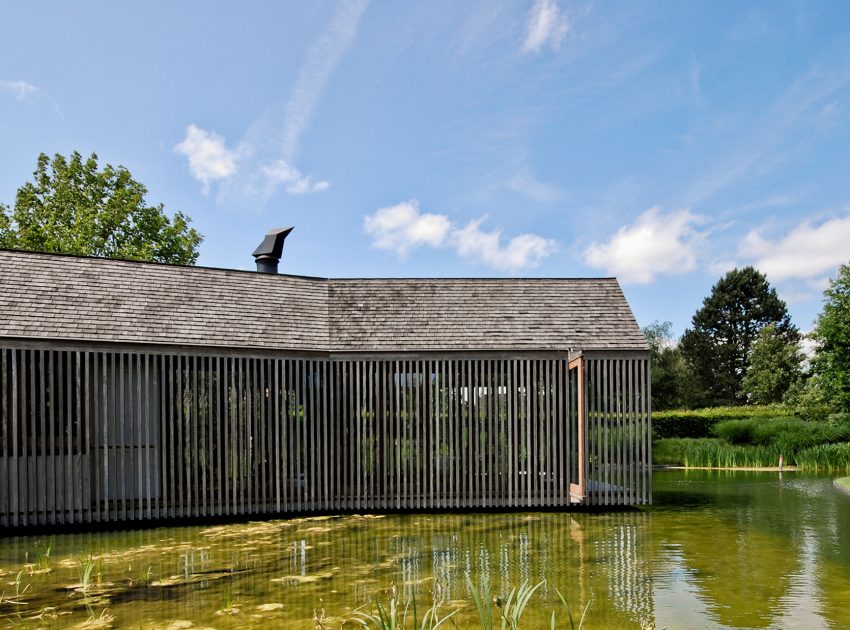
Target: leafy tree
(671, 379)
(73, 207)
(831, 364)
(718, 346)
(775, 365)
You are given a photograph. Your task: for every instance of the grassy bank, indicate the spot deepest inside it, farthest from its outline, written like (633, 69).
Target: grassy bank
(844, 484)
(753, 439)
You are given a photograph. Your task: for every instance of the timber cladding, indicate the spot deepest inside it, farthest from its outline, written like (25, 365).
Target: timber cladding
(96, 436)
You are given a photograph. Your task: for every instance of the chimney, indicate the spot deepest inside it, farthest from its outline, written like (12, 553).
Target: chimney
(270, 250)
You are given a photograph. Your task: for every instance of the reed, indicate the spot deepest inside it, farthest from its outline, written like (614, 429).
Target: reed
(825, 458)
(713, 453)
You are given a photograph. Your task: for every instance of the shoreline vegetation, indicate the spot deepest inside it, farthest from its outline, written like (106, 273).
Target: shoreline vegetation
(751, 437)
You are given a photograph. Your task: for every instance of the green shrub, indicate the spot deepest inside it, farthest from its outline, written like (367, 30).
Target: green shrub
(789, 435)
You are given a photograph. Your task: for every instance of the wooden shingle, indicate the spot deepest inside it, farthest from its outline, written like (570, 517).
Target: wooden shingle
(47, 296)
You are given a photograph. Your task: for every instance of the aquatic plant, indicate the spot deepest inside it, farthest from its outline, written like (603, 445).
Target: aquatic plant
(89, 567)
(825, 457)
(395, 615)
(510, 610)
(41, 563)
(713, 453)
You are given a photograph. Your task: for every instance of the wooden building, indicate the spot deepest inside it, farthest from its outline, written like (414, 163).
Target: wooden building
(134, 391)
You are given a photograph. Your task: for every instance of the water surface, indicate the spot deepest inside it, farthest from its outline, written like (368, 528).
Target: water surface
(718, 549)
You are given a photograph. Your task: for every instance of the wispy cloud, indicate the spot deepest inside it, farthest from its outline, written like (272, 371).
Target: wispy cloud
(209, 158)
(404, 227)
(807, 252)
(525, 183)
(294, 182)
(546, 25)
(321, 62)
(761, 145)
(655, 244)
(268, 151)
(21, 90)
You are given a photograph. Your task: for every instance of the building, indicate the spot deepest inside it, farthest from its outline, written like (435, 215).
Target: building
(134, 391)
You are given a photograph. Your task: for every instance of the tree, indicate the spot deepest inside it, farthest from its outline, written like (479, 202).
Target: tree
(72, 207)
(671, 378)
(718, 346)
(775, 365)
(831, 363)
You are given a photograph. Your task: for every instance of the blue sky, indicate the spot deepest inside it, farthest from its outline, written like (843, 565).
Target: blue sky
(659, 142)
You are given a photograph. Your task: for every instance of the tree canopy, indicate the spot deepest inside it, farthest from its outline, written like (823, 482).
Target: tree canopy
(775, 365)
(831, 364)
(719, 344)
(671, 378)
(73, 207)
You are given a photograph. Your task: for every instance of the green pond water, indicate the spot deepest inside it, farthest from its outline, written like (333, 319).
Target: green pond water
(718, 549)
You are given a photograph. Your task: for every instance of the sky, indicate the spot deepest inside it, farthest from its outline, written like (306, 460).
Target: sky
(663, 143)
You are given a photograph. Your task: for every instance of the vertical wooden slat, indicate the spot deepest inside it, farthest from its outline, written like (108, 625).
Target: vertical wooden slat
(80, 449)
(40, 439)
(5, 421)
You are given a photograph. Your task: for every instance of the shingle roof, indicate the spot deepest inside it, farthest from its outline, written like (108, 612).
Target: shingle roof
(68, 297)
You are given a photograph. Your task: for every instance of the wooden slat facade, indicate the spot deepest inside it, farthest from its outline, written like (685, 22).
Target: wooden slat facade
(105, 435)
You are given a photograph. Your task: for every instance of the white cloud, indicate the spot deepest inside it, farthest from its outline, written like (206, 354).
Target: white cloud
(525, 251)
(655, 244)
(403, 227)
(296, 184)
(807, 252)
(209, 158)
(546, 25)
(21, 90)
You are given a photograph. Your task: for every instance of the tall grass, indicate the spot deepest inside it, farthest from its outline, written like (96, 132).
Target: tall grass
(825, 457)
(713, 453)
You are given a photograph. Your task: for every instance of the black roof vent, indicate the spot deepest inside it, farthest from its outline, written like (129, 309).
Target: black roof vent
(270, 250)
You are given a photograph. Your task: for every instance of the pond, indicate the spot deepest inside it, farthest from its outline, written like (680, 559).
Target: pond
(718, 549)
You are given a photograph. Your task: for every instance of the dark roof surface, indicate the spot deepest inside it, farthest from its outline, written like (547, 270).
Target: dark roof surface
(68, 297)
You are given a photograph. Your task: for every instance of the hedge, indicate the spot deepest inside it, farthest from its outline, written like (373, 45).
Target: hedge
(697, 423)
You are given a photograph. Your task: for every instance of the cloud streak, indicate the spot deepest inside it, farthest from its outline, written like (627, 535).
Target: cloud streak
(268, 151)
(404, 227)
(546, 25)
(313, 76)
(20, 90)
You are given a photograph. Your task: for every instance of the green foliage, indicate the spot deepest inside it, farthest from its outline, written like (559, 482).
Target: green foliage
(698, 423)
(825, 457)
(789, 435)
(671, 378)
(73, 207)
(775, 365)
(718, 346)
(831, 364)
